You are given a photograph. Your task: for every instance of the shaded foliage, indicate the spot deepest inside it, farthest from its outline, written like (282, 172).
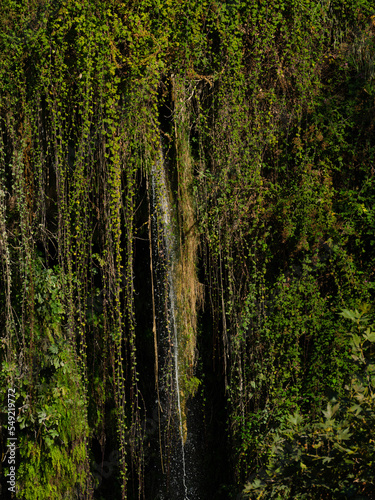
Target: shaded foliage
(330, 457)
(264, 112)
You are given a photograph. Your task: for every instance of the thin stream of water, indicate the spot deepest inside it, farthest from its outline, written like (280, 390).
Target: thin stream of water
(161, 200)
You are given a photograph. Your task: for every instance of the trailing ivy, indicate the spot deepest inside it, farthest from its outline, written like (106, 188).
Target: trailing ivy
(264, 114)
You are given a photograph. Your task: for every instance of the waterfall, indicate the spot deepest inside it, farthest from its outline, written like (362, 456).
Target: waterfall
(164, 244)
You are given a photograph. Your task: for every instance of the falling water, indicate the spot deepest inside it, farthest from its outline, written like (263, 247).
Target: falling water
(163, 213)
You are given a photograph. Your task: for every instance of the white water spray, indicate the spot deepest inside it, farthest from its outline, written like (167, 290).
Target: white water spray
(162, 202)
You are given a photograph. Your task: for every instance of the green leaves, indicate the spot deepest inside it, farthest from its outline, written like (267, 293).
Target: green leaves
(295, 420)
(334, 454)
(353, 315)
(344, 435)
(331, 410)
(275, 100)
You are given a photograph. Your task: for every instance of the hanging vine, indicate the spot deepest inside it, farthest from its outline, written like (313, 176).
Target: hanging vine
(263, 114)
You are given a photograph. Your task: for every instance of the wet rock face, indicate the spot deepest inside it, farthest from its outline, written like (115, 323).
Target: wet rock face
(178, 481)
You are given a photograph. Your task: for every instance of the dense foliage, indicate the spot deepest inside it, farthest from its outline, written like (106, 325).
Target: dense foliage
(264, 113)
(333, 455)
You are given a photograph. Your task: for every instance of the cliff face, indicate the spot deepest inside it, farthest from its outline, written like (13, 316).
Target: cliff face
(264, 116)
